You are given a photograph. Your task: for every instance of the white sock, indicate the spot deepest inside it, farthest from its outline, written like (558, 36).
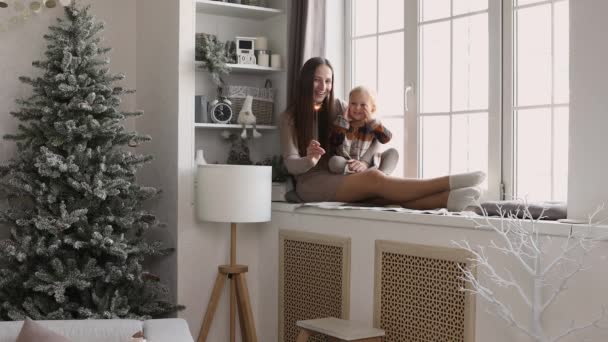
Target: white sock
(467, 179)
(459, 199)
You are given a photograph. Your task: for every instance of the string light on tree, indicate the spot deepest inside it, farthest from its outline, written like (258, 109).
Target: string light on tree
(19, 6)
(23, 12)
(35, 6)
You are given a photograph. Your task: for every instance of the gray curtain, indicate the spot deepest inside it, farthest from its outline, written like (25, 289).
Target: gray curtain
(306, 37)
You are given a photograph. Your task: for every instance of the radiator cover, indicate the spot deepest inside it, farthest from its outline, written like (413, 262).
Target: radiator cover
(418, 296)
(314, 279)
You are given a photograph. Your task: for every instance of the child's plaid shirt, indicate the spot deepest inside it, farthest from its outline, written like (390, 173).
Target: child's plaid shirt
(352, 141)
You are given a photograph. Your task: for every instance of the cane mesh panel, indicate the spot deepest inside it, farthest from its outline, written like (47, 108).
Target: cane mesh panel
(314, 280)
(419, 296)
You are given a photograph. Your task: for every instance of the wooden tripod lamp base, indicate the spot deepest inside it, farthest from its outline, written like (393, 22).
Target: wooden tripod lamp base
(239, 295)
(233, 193)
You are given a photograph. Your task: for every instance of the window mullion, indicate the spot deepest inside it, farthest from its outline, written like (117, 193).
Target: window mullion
(451, 86)
(509, 99)
(350, 58)
(412, 65)
(552, 157)
(377, 45)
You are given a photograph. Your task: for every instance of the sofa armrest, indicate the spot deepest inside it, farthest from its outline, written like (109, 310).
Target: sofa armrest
(170, 329)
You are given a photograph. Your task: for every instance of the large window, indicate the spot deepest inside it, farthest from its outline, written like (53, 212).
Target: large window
(469, 85)
(377, 61)
(540, 98)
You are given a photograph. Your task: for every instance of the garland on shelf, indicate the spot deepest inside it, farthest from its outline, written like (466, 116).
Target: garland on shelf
(214, 56)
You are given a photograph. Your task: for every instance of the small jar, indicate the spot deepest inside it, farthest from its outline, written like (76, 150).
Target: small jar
(263, 57)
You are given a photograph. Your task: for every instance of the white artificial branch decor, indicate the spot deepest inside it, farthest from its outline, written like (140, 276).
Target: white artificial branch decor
(518, 239)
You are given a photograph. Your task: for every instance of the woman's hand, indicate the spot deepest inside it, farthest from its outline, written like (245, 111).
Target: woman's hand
(357, 166)
(314, 151)
(346, 114)
(368, 115)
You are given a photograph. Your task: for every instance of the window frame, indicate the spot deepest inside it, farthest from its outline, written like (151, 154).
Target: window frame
(409, 163)
(508, 94)
(501, 121)
(495, 83)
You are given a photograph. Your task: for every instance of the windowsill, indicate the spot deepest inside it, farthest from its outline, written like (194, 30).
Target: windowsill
(544, 227)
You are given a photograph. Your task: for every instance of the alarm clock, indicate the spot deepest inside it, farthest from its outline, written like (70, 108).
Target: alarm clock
(220, 111)
(245, 47)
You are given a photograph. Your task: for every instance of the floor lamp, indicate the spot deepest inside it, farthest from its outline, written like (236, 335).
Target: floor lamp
(235, 194)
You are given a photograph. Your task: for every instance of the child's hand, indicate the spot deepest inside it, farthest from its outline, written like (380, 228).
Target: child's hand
(356, 166)
(314, 151)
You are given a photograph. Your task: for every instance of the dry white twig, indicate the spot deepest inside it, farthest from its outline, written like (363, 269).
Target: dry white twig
(519, 239)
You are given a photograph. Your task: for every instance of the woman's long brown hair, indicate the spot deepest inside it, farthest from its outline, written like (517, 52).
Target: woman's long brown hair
(302, 107)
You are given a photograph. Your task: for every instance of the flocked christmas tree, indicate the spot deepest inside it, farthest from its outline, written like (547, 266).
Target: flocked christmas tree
(74, 210)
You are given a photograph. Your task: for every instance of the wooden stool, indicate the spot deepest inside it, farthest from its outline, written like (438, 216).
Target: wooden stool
(338, 330)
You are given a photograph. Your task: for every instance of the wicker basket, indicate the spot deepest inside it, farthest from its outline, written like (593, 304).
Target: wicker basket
(263, 101)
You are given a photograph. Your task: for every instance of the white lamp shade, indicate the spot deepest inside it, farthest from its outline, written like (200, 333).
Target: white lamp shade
(234, 193)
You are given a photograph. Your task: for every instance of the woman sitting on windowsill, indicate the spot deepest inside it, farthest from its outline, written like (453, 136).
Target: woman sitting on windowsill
(305, 130)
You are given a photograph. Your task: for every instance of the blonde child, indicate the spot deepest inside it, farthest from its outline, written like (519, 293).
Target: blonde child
(354, 136)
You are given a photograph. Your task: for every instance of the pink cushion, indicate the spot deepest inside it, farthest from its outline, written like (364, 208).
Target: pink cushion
(34, 332)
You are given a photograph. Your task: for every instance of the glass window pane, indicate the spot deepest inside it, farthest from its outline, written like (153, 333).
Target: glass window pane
(561, 54)
(468, 6)
(391, 15)
(365, 15)
(365, 62)
(469, 142)
(533, 57)
(390, 74)
(435, 67)
(478, 142)
(435, 131)
(560, 154)
(460, 144)
(533, 154)
(434, 9)
(397, 127)
(470, 63)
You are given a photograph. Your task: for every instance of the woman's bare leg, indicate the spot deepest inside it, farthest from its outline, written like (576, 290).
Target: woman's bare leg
(438, 200)
(373, 184)
(435, 201)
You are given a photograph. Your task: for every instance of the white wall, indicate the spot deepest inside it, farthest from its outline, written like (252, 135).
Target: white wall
(159, 91)
(588, 160)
